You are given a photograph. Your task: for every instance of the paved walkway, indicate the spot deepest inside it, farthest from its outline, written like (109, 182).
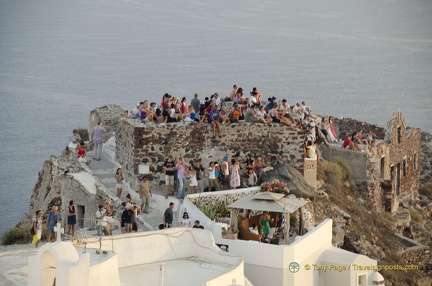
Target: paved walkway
(105, 170)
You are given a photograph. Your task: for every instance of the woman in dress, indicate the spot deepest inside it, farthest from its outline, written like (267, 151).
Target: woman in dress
(185, 220)
(332, 131)
(71, 219)
(235, 177)
(259, 166)
(119, 184)
(193, 182)
(37, 227)
(264, 223)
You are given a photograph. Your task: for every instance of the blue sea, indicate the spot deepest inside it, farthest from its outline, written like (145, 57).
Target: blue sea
(60, 59)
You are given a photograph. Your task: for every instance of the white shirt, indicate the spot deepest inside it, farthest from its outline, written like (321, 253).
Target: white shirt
(252, 100)
(212, 173)
(101, 221)
(253, 230)
(218, 102)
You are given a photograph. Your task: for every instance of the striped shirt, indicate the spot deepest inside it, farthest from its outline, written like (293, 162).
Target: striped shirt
(97, 133)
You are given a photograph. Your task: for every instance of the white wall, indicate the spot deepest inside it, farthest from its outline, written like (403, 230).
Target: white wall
(175, 243)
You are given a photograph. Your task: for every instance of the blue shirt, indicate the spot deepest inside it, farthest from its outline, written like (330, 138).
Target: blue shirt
(214, 114)
(53, 219)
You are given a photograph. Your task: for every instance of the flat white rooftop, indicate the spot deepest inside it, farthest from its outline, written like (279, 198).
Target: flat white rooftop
(188, 271)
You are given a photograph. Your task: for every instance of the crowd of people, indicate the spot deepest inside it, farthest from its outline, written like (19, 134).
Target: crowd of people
(221, 175)
(213, 110)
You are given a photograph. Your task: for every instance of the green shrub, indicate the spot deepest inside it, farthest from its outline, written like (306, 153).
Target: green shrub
(83, 133)
(345, 169)
(415, 216)
(17, 235)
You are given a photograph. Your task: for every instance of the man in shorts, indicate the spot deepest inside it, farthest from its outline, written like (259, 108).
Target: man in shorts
(169, 167)
(53, 218)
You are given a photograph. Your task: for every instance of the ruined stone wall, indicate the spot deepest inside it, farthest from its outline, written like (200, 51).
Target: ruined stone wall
(416, 256)
(346, 126)
(404, 145)
(398, 147)
(150, 144)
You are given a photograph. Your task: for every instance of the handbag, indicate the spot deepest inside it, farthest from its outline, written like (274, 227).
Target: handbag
(32, 232)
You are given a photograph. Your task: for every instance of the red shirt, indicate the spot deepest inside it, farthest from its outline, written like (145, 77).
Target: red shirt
(346, 143)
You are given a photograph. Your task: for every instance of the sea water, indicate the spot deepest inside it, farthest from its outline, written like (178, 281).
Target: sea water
(60, 59)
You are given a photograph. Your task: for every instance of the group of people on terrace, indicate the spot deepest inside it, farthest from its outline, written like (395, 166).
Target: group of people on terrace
(221, 175)
(357, 138)
(107, 216)
(213, 110)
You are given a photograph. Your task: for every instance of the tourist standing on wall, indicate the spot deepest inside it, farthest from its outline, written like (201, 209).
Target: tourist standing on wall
(181, 167)
(195, 102)
(169, 168)
(96, 137)
(225, 173)
(119, 182)
(168, 216)
(37, 227)
(72, 218)
(102, 221)
(145, 193)
(53, 218)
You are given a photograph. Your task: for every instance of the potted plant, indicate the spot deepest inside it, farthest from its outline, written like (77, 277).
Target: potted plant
(275, 186)
(228, 234)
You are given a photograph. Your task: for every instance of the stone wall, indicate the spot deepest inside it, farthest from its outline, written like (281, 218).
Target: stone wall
(150, 144)
(388, 170)
(347, 126)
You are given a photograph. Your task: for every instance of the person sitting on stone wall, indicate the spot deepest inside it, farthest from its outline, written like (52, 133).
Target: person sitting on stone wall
(134, 114)
(369, 138)
(274, 114)
(81, 152)
(359, 137)
(298, 111)
(249, 114)
(262, 116)
(214, 121)
(190, 116)
(348, 144)
(151, 115)
(223, 115)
